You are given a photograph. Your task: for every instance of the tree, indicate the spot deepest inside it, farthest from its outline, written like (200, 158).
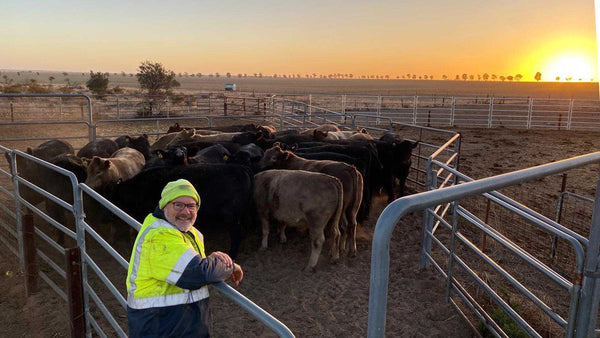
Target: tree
(538, 76)
(557, 78)
(153, 77)
(518, 77)
(51, 78)
(486, 76)
(98, 83)
(465, 76)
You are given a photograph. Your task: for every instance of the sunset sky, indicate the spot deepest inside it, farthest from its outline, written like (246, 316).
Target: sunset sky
(384, 37)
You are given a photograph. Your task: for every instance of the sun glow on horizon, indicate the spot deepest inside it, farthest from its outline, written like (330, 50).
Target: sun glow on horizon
(569, 67)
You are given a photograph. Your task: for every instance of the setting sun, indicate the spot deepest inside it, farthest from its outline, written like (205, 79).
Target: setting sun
(569, 68)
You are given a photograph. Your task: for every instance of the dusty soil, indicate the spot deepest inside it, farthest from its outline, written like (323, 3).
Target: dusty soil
(333, 302)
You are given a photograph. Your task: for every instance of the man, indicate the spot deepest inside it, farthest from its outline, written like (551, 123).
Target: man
(167, 292)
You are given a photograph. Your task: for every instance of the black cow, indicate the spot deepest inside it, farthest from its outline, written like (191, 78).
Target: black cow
(225, 191)
(139, 143)
(101, 148)
(30, 170)
(214, 154)
(248, 155)
(396, 160)
(169, 157)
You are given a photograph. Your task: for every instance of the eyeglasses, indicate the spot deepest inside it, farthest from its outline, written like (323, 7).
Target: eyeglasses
(178, 206)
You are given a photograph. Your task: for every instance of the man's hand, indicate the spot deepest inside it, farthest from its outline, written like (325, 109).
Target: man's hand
(223, 257)
(237, 274)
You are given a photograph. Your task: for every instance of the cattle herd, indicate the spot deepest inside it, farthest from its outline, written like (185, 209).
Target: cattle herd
(320, 179)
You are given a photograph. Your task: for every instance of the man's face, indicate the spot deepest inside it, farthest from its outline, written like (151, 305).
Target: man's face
(179, 214)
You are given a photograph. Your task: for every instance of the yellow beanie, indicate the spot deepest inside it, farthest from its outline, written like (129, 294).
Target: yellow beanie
(176, 189)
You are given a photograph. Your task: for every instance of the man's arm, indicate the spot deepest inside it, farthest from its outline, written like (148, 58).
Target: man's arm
(202, 271)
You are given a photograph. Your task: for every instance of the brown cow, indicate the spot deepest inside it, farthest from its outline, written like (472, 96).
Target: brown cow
(352, 182)
(322, 128)
(302, 199)
(163, 141)
(122, 165)
(359, 134)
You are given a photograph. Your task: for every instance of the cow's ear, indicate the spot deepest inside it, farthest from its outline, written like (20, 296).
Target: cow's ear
(364, 131)
(260, 135)
(145, 136)
(414, 145)
(320, 134)
(106, 164)
(277, 145)
(29, 151)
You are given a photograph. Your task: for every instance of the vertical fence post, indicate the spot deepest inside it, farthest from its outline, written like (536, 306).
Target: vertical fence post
(491, 112)
(75, 292)
(588, 308)
(415, 109)
(60, 108)
(570, 114)
(378, 109)
(225, 106)
(118, 108)
(529, 113)
(29, 254)
(12, 112)
(452, 111)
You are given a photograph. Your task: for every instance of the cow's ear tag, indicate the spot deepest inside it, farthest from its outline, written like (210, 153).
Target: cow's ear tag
(160, 155)
(225, 158)
(85, 162)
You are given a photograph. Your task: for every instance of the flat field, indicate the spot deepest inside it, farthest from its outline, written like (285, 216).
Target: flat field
(189, 85)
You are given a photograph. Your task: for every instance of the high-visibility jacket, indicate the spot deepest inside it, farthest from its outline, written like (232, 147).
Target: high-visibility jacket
(166, 281)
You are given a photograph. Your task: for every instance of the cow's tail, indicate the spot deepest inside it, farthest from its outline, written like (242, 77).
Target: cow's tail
(333, 227)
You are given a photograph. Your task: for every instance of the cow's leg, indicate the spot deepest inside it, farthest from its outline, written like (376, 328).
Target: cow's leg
(351, 235)
(343, 232)
(317, 238)
(265, 232)
(282, 238)
(57, 213)
(235, 232)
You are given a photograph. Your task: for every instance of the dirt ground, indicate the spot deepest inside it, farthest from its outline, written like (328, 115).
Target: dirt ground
(333, 302)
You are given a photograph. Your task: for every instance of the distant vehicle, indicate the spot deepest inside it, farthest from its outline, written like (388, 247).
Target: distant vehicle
(230, 86)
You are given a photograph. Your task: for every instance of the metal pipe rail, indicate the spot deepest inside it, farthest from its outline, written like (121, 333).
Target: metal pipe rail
(380, 258)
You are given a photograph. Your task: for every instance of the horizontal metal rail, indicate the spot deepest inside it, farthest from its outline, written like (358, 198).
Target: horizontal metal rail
(111, 287)
(49, 261)
(53, 285)
(257, 312)
(104, 311)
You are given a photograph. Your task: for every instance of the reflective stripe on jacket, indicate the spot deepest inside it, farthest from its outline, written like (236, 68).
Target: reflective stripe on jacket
(160, 256)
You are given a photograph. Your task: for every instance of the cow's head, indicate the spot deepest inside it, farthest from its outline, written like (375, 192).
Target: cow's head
(274, 157)
(320, 135)
(98, 172)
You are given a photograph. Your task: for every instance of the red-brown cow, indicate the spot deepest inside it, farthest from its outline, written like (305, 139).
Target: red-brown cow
(122, 165)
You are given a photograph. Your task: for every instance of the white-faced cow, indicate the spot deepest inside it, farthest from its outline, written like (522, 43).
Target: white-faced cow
(352, 183)
(300, 199)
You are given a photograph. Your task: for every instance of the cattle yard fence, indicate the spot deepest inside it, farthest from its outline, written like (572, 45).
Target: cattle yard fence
(457, 111)
(74, 268)
(435, 168)
(487, 271)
